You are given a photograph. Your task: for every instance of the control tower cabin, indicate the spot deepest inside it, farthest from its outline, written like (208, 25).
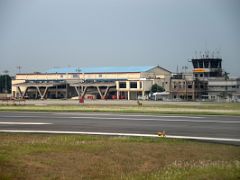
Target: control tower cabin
(206, 67)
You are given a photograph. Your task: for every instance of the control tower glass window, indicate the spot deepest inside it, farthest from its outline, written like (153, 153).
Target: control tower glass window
(216, 63)
(206, 63)
(195, 63)
(200, 63)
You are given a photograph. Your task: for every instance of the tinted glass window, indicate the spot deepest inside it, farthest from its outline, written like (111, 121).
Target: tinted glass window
(122, 84)
(133, 84)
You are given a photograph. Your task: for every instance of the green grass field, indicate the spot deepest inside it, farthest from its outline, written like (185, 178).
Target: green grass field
(41, 156)
(178, 108)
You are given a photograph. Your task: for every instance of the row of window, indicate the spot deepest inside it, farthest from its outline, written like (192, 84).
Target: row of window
(205, 63)
(210, 74)
(133, 85)
(179, 86)
(77, 75)
(189, 86)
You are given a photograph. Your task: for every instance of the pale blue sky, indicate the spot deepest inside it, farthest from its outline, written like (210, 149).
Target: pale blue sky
(41, 34)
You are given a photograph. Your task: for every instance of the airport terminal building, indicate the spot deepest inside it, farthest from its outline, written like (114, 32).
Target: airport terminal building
(91, 83)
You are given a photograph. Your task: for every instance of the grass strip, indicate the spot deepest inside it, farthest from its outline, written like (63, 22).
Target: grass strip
(202, 109)
(42, 156)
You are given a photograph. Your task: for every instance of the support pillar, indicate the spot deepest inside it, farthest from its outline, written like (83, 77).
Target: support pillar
(36, 93)
(44, 93)
(66, 96)
(193, 92)
(118, 95)
(100, 93)
(84, 92)
(104, 96)
(143, 95)
(77, 90)
(128, 95)
(19, 90)
(38, 89)
(56, 93)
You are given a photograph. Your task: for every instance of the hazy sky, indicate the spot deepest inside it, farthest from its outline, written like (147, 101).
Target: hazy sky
(41, 34)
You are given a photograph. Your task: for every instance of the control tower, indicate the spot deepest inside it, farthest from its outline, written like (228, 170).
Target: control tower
(207, 67)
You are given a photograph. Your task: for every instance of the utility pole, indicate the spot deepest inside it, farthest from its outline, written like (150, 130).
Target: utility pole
(184, 68)
(6, 73)
(19, 69)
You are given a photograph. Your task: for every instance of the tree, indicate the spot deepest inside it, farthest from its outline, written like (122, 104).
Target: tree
(226, 75)
(5, 84)
(157, 88)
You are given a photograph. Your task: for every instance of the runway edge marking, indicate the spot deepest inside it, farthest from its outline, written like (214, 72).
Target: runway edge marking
(122, 134)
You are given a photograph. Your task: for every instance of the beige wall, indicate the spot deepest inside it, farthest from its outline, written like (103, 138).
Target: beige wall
(156, 72)
(146, 85)
(14, 88)
(77, 76)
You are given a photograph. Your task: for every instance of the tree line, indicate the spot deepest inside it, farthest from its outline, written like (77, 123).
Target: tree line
(5, 84)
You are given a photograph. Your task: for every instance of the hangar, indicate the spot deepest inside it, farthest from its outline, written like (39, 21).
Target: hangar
(91, 83)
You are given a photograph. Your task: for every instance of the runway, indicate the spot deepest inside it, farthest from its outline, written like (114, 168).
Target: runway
(210, 128)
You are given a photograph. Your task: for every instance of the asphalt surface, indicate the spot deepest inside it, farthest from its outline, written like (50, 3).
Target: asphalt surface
(223, 128)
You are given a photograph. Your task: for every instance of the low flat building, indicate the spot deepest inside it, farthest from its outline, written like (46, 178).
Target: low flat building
(224, 89)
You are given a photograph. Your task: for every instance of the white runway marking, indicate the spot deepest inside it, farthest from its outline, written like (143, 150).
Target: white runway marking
(21, 116)
(123, 134)
(163, 120)
(130, 115)
(125, 117)
(119, 115)
(23, 123)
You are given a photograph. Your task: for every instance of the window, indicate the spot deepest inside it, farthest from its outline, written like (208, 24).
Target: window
(213, 97)
(141, 84)
(100, 75)
(200, 63)
(195, 63)
(75, 76)
(189, 86)
(122, 84)
(206, 64)
(133, 84)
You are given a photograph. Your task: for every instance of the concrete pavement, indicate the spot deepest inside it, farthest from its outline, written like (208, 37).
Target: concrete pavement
(214, 128)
